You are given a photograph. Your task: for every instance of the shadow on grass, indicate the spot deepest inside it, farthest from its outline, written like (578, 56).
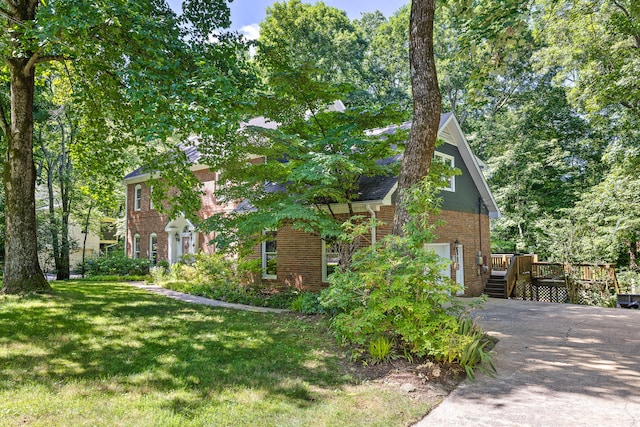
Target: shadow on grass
(139, 341)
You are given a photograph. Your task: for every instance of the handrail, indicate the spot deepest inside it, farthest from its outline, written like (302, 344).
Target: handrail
(511, 277)
(519, 267)
(500, 262)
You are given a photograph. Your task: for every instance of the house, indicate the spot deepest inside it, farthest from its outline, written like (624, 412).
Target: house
(295, 258)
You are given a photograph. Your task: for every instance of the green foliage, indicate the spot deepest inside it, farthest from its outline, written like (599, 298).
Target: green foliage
(307, 303)
(218, 277)
(394, 289)
(318, 153)
(381, 349)
(474, 354)
(628, 281)
(116, 264)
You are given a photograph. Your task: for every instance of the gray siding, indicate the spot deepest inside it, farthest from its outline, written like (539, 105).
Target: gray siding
(466, 196)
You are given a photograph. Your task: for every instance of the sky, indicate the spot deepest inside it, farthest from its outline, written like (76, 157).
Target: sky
(247, 14)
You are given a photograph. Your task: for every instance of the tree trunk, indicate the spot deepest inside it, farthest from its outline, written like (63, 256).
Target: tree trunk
(22, 272)
(426, 106)
(64, 181)
(54, 230)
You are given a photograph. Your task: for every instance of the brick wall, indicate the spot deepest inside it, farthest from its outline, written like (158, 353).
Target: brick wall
(299, 259)
(147, 221)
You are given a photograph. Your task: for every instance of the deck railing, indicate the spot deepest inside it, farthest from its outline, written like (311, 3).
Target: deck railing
(500, 262)
(577, 272)
(519, 269)
(576, 283)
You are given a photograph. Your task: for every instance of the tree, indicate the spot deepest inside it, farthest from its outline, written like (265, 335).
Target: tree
(138, 74)
(426, 106)
(318, 153)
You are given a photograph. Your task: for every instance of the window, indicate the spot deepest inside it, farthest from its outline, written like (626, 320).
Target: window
(269, 255)
(448, 161)
(136, 246)
(330, 258)
(150, 199)
(153, 248)
(137, 203)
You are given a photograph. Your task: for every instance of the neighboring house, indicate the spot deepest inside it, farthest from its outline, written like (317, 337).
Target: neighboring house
(295, 258)
(100, 238)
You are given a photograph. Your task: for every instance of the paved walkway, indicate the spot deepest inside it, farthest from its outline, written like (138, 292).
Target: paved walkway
(558, 365)
(202, 300)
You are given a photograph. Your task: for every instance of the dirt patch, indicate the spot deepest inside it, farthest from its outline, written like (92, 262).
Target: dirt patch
(423, 380)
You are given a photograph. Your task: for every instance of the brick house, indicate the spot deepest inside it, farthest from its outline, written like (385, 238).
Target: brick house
(295, 258)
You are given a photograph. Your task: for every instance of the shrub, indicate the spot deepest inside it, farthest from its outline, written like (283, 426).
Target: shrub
(115, 264)
(394, 290)
(218, 277)
(307, 303)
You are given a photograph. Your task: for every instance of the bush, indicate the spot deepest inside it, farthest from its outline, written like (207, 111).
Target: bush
(394, 289)
(115, 264)
(217, 277)
(307, 303)
(628, 281)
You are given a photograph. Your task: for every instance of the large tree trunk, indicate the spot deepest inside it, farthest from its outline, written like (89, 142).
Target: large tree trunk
(22, 272)
(426, 106)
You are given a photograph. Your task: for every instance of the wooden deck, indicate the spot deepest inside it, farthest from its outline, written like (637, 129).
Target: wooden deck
(523, 277)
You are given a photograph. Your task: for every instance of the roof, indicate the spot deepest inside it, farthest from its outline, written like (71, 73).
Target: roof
(450, 132)
(377, 188)
(190, 149)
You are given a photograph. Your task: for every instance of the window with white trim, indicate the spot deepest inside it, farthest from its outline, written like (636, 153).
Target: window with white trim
(449, 161)
(269, 255)
(150, 199)
(153, 248)
(136, 246)
(330, 258)
(137, 198)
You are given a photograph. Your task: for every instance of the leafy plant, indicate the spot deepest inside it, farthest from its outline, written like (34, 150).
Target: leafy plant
(115, 264)
(394, 289)
(474, 354)
(307, 303)
(381, 349)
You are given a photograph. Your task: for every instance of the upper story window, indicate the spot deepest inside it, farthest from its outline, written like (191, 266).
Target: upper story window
(136, 246)
(150, 199)
(137, 198)
(449, 161)
(269, 255)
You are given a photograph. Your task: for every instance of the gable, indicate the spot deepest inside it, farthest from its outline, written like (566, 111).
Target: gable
(471, 185)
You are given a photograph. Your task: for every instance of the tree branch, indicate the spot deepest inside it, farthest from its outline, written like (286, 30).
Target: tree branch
(626, 13)
(32, 61)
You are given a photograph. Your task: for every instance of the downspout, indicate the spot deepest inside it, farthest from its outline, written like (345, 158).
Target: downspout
(373, 229)
(126, 218)
(480, 267)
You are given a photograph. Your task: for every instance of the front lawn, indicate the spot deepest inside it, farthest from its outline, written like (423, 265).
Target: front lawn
(110, 354)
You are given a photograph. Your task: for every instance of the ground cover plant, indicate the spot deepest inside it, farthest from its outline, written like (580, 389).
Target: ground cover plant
(223, 278)
(110, 354)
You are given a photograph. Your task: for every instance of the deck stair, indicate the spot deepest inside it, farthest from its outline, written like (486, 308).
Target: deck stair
(496, 286)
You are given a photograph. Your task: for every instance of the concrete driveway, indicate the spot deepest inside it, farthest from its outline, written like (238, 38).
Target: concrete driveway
(558, 365)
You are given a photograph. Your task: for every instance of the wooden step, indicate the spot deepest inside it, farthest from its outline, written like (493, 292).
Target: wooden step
(495, 288)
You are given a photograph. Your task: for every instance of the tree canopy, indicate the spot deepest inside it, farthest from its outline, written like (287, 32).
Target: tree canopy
(137, 73)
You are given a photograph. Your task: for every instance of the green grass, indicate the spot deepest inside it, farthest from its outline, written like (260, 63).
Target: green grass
(107, 354)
